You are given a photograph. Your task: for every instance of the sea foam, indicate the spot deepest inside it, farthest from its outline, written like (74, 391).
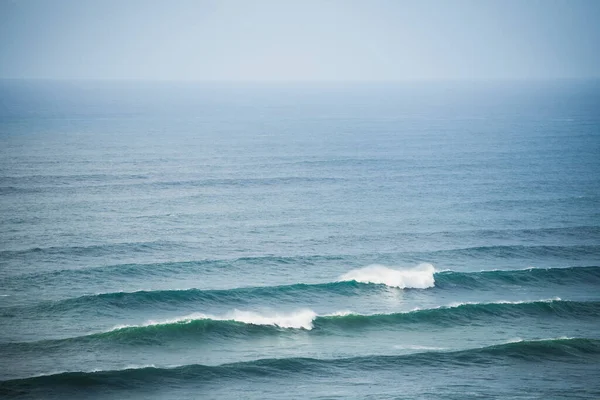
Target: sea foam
(468, 303)
(419, 277)
(300, 319)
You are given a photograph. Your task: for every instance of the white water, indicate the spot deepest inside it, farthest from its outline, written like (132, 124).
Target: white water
(419, 277)
(301, 319)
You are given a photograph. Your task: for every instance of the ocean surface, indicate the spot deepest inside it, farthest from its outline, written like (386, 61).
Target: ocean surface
(170, 240)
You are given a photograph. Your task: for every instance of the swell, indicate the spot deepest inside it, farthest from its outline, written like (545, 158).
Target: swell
(92, 250)
(37, 181)
(240, 296)
(568, 350)
(160, 269)
(202, 327)
(521, 251)
(525, 277)
(132, 270)
(565, 252)
(53, 184)
(346, 286)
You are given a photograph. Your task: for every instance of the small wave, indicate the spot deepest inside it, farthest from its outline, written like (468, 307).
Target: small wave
(461, 314)
(417, 347)
(568, 253)
(452, 314)
(420, 277)
(474, 303)
(455, 313)
(521, 277)
(354, 283)
(243, 324)
(582, 350)
(93, 250)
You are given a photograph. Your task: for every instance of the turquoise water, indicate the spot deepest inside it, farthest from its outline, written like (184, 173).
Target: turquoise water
(173, 240)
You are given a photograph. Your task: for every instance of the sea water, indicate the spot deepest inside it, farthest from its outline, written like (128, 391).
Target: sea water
(436, 240)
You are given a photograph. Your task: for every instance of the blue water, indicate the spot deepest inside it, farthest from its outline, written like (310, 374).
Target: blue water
(188, 240)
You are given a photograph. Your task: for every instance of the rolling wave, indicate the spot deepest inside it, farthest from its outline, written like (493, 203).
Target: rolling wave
(565, 252)
(581, 350)
(521, 251)
(522, 277)
(453, 314)
(456, 314)
(354, 283)
(246, 323)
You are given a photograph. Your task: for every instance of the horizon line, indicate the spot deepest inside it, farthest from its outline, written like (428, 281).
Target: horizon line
(301, 81)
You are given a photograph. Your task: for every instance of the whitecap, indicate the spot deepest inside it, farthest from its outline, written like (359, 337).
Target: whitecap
(420, 277)
(300, 319)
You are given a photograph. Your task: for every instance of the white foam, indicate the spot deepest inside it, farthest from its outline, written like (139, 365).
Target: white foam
(520, 340)
(127, 367)
(458, 304)
(301, 319)
(420, 277)
(340, 314)
(416, 347)
(514, 340)
(88, 371)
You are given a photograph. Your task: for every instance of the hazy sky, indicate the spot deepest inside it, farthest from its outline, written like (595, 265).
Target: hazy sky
(299, 40)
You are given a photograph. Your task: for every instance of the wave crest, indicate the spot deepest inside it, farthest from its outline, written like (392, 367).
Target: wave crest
(70, 384)
(301, 319)
(419, 277)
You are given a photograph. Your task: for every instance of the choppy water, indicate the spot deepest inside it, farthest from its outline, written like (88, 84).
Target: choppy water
(165, 240)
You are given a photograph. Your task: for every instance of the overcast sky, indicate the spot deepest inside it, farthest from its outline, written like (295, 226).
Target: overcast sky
(300, 40)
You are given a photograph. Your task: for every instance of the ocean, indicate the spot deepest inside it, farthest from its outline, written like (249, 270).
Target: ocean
(183, 240)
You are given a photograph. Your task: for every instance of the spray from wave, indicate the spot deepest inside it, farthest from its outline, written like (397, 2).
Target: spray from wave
(419, 277)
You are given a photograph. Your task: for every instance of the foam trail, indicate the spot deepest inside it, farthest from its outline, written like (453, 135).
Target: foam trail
(468, 303)
(417, 347)
(420, 277)
(301, 319)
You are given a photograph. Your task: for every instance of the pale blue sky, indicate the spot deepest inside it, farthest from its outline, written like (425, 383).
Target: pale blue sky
(299, 40)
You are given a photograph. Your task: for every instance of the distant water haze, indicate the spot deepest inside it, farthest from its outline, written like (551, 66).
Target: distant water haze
(299, 41)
